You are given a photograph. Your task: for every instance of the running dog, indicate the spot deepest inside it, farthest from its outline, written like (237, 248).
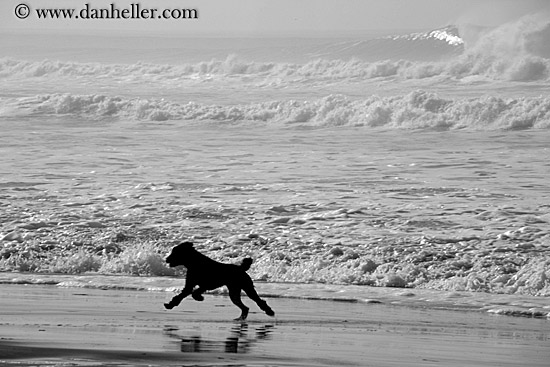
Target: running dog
(205, 274)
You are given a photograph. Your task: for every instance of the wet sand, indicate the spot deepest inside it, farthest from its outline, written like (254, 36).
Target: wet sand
(48, 325)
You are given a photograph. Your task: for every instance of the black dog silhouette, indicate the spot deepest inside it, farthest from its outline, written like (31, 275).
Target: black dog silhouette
(209, 274)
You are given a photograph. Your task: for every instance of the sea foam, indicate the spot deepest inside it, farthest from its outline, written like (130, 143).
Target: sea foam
(328, 91)
(416, 110)
(513, 51)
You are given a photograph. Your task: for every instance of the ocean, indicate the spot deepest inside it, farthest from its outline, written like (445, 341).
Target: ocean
(407, 167)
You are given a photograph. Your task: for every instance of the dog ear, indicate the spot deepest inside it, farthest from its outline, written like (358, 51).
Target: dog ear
(186, 244)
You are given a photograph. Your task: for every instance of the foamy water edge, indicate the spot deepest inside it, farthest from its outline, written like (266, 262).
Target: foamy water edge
(507, 305)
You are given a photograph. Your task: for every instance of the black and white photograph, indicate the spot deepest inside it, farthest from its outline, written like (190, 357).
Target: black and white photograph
(262, 183)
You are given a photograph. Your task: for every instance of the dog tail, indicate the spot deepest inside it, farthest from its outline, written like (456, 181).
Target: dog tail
(246, 263)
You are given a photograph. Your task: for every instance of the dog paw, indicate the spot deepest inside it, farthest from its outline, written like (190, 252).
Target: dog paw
(244, 315)
(270, 312)
(168, 306)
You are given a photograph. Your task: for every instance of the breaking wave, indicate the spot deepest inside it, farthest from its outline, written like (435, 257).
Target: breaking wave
(416, 110)
(513, 53)
(516, 51)
(522, 68)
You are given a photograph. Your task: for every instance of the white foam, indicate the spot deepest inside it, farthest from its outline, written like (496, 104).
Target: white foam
(416, 110)
(509, 305)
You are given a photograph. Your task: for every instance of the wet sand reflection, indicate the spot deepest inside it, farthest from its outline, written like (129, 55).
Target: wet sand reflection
(241, 339)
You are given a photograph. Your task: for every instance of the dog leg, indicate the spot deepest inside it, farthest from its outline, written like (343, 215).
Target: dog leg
(235, 295)
(253, 295)
(176, 300)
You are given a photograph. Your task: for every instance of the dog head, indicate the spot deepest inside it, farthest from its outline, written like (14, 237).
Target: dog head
(181, 254)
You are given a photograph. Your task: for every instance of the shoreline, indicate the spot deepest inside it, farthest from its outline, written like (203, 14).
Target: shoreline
(493, 303)
(99, 327)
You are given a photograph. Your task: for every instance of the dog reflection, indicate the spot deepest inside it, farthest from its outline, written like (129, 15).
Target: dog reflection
(237, 342)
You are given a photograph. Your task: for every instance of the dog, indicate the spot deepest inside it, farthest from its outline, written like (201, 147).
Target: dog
(204, 273)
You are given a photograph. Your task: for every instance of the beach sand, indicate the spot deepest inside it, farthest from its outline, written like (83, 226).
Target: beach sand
(49, 325)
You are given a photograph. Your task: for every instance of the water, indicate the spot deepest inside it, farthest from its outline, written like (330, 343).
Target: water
(352, 172)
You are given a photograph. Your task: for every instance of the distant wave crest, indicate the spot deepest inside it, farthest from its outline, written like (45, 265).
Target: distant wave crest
(524, 68)
(416, 110)
(516, 51)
